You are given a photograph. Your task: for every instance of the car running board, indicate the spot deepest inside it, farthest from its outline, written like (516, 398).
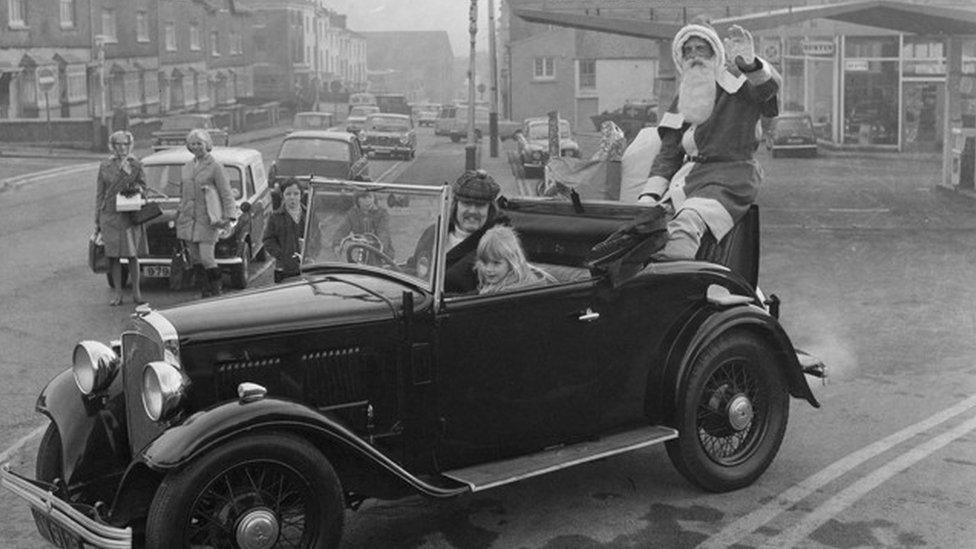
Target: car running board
(498, 473)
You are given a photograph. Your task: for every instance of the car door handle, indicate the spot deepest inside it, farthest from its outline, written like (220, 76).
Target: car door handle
(589, 315)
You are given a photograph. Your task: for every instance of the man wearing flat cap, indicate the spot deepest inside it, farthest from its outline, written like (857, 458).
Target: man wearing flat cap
(472, 213)
(705, 173)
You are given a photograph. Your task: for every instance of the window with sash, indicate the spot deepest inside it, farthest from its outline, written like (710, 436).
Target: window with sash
(109, 26)
(16, 13)
(545, 68)
(169, 35)
(67, 13)
(587, 74)
(194, 37)
(142, 26)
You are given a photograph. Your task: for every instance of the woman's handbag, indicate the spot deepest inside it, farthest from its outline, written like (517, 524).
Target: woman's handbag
(180, 269)
(97, 261)
(214, 210)
(128, 202)
(148, 212)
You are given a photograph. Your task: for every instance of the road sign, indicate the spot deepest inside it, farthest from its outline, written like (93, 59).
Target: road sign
(46, 79)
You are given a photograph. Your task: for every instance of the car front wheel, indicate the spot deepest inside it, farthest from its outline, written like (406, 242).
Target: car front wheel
(258, 491)
(731, 415)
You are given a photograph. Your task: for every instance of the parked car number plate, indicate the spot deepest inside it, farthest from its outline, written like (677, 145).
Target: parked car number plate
(56, 533)
(155, 271)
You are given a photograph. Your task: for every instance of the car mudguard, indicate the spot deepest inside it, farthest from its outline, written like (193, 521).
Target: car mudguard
(704, 327)
(181, 444)
(94, 442)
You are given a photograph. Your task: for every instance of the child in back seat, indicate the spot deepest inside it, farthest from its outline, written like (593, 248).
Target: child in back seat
(501, 264)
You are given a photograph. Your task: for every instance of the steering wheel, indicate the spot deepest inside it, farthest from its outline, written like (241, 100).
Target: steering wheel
(361, 252)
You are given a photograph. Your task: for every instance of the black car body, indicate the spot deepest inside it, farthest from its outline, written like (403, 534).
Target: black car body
(533, 145)
(791, 133)
(389, 134)
(363, 378)
(322, 153)
(240, 243)
(175, 128)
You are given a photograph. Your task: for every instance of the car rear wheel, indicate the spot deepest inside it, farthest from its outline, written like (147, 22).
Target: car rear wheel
(238, 277)
(732, 414)
(258, 491)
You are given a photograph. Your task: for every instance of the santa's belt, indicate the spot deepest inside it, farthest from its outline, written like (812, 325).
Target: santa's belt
(710, 159)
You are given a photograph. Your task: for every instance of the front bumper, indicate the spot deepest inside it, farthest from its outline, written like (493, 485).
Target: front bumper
(64, 524)
(388, 149)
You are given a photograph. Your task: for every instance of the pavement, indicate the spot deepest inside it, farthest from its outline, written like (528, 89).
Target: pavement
(17, 150)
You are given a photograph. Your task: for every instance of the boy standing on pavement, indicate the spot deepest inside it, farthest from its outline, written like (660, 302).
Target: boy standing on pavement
(705, 174)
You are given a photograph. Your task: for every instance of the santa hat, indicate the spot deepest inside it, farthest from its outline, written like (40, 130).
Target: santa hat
(700, 30)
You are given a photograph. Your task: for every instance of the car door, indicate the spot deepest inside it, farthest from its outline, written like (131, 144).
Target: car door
(521, 371)
(259, 196)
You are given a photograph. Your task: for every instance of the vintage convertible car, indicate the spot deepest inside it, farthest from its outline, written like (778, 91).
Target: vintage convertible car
(252, 420)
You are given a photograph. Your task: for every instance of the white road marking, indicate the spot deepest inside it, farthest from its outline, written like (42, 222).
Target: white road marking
(842, 500)
(388, 172)
(742, 527)
(10, 452)
(19, 180)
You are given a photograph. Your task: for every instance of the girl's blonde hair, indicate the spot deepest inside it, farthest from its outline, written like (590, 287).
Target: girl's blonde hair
(502, 243)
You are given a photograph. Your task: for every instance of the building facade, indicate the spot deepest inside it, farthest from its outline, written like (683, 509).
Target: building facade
(45, 35)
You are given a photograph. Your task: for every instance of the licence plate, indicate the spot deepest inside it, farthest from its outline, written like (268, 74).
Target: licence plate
(55, 532)
(795, 140)
(155, 271)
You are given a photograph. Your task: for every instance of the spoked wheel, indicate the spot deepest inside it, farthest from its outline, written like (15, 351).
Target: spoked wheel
(259, 492)
(732, 414)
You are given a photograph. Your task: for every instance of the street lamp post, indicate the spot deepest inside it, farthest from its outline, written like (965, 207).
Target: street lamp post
(470, 149)
(100, 44)
(493, 113)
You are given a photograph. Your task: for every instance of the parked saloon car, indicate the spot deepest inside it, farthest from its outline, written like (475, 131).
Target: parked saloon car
(257, 417)
(791, 132)
(389, 134)
(241, 242)
(175, 128)
(533, 150)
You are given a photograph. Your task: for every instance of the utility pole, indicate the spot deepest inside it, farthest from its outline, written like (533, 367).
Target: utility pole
(100, 44)
(470, 149)
(492, 56)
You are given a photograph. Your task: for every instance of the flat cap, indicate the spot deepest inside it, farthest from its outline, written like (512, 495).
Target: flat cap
(476, 185)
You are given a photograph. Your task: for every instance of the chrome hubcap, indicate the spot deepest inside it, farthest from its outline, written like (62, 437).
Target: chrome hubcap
(740, 412)
(258, 529)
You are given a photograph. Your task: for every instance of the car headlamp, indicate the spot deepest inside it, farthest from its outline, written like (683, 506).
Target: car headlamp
(94, 365)
(163, 389)
(404, 139)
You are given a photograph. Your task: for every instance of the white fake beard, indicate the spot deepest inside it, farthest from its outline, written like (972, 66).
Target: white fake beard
(696, 97)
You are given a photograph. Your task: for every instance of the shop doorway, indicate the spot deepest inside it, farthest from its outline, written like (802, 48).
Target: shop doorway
(922, 115)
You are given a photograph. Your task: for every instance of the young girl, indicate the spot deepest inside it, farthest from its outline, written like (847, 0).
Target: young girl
(501, 264)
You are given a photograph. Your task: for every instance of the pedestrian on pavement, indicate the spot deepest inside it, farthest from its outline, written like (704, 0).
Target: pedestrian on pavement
(285, 231)
(199, 218)
(705, 174)
(472, 213)
(120, 174)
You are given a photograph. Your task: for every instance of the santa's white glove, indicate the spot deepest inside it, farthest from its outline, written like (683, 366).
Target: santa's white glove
(649, 199)
(740, 48)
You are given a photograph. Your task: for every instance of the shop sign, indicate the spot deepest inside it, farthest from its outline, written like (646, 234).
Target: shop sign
(817, 47)
(856, 65)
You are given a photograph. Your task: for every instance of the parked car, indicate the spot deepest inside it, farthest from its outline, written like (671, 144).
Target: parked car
(631, 118)
(459, 125)
(240, 243)
(175, 127)
(445, 119)
(389, 134)
(533, 145)
(320, 153)
(357, 117)
(312, 120)
(791, 132)
(426, 113)
(258, 417)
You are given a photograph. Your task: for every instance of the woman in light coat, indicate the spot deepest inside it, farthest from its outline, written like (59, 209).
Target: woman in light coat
(193, 222)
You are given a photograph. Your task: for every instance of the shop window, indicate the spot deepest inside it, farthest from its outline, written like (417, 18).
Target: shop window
(871, 46)
(871, 102)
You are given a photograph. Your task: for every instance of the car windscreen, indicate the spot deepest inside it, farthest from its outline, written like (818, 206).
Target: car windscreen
(794, 125)
(387, 124)
(163, 180)
(541, 130)
(310, 148)
(312, 121)
(363, 110)
(183, 122)
(389, 227)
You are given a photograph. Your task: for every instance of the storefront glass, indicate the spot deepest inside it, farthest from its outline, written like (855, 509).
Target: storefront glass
(923, 105)
(870, 102)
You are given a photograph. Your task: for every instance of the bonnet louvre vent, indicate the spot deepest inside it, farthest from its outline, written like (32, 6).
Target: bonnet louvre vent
(336, 376)
(229, 374)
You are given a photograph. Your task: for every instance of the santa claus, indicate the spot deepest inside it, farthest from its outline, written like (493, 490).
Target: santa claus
(705, 173)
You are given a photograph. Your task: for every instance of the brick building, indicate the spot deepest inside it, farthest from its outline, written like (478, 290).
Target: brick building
(126, 31)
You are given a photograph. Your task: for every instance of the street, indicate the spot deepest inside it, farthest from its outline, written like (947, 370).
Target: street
(871, 263)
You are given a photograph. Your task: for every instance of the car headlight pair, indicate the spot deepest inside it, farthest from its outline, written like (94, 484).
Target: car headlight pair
(163, 387)
(94, 366)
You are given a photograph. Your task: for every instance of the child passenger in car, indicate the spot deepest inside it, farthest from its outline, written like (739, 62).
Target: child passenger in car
(501, 264)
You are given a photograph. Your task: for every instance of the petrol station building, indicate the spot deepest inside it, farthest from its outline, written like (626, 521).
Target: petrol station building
(873, 74)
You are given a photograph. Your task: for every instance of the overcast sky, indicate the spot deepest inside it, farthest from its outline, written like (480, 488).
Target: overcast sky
(446, 15)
